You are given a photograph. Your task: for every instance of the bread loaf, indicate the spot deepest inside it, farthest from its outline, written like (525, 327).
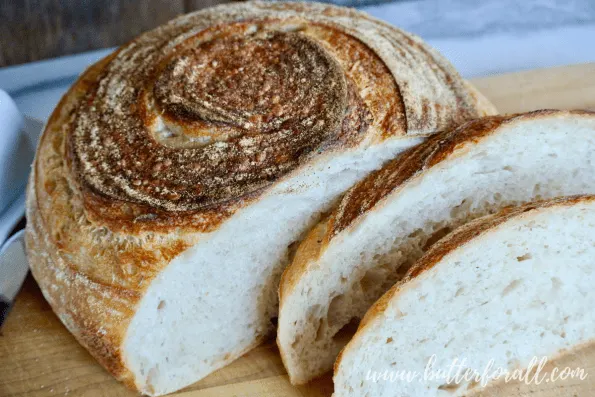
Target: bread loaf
(175, 175)
(387, 221)
(498, 295)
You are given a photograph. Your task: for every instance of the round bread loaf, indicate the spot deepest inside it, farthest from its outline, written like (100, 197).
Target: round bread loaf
(175, 175)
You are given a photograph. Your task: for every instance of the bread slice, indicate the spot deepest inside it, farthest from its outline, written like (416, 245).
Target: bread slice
(175, 177)
(386, 222)
(505, 288)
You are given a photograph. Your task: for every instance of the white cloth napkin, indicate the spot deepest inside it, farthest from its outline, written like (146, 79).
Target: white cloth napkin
(18, 139)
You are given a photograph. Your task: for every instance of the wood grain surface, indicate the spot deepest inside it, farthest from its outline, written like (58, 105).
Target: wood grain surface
(566, 87)
(36, 29)
(39, 358)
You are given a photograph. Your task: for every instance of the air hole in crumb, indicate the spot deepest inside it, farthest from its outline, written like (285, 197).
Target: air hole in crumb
(511, 287)
(507, 168)
(461, 209)
(345, 334)
(372, 280)
(161, 305)
(556, 284)
(525, 257)
(450, 387)
(415, 233)
(291, 250)
(153, 373)
(321, 329)
(436, 237)
(296, 341)
(335, 310)
(537, 191)
(459, 291)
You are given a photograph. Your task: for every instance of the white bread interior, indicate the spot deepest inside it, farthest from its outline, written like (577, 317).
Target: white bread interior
(520, 289)
(531, 157)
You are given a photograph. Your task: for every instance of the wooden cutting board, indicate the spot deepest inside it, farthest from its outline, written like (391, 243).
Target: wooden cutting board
(38, 357)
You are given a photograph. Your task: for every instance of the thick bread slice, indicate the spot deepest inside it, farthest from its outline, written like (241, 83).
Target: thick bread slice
(386, 222)
(506, 287)
(174, 178)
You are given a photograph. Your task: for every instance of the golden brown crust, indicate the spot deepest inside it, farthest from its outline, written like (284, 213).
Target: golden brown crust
(148, 151)
(456, 239)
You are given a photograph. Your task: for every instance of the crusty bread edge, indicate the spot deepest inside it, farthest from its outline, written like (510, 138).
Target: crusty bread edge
(309, 249)
(105, 349)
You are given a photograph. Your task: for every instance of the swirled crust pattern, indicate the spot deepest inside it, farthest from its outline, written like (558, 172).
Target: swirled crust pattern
(215, 106)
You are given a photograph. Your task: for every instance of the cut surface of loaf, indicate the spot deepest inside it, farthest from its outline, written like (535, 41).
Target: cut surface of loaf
(175, 176)
(501, 292)
(387, 221)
